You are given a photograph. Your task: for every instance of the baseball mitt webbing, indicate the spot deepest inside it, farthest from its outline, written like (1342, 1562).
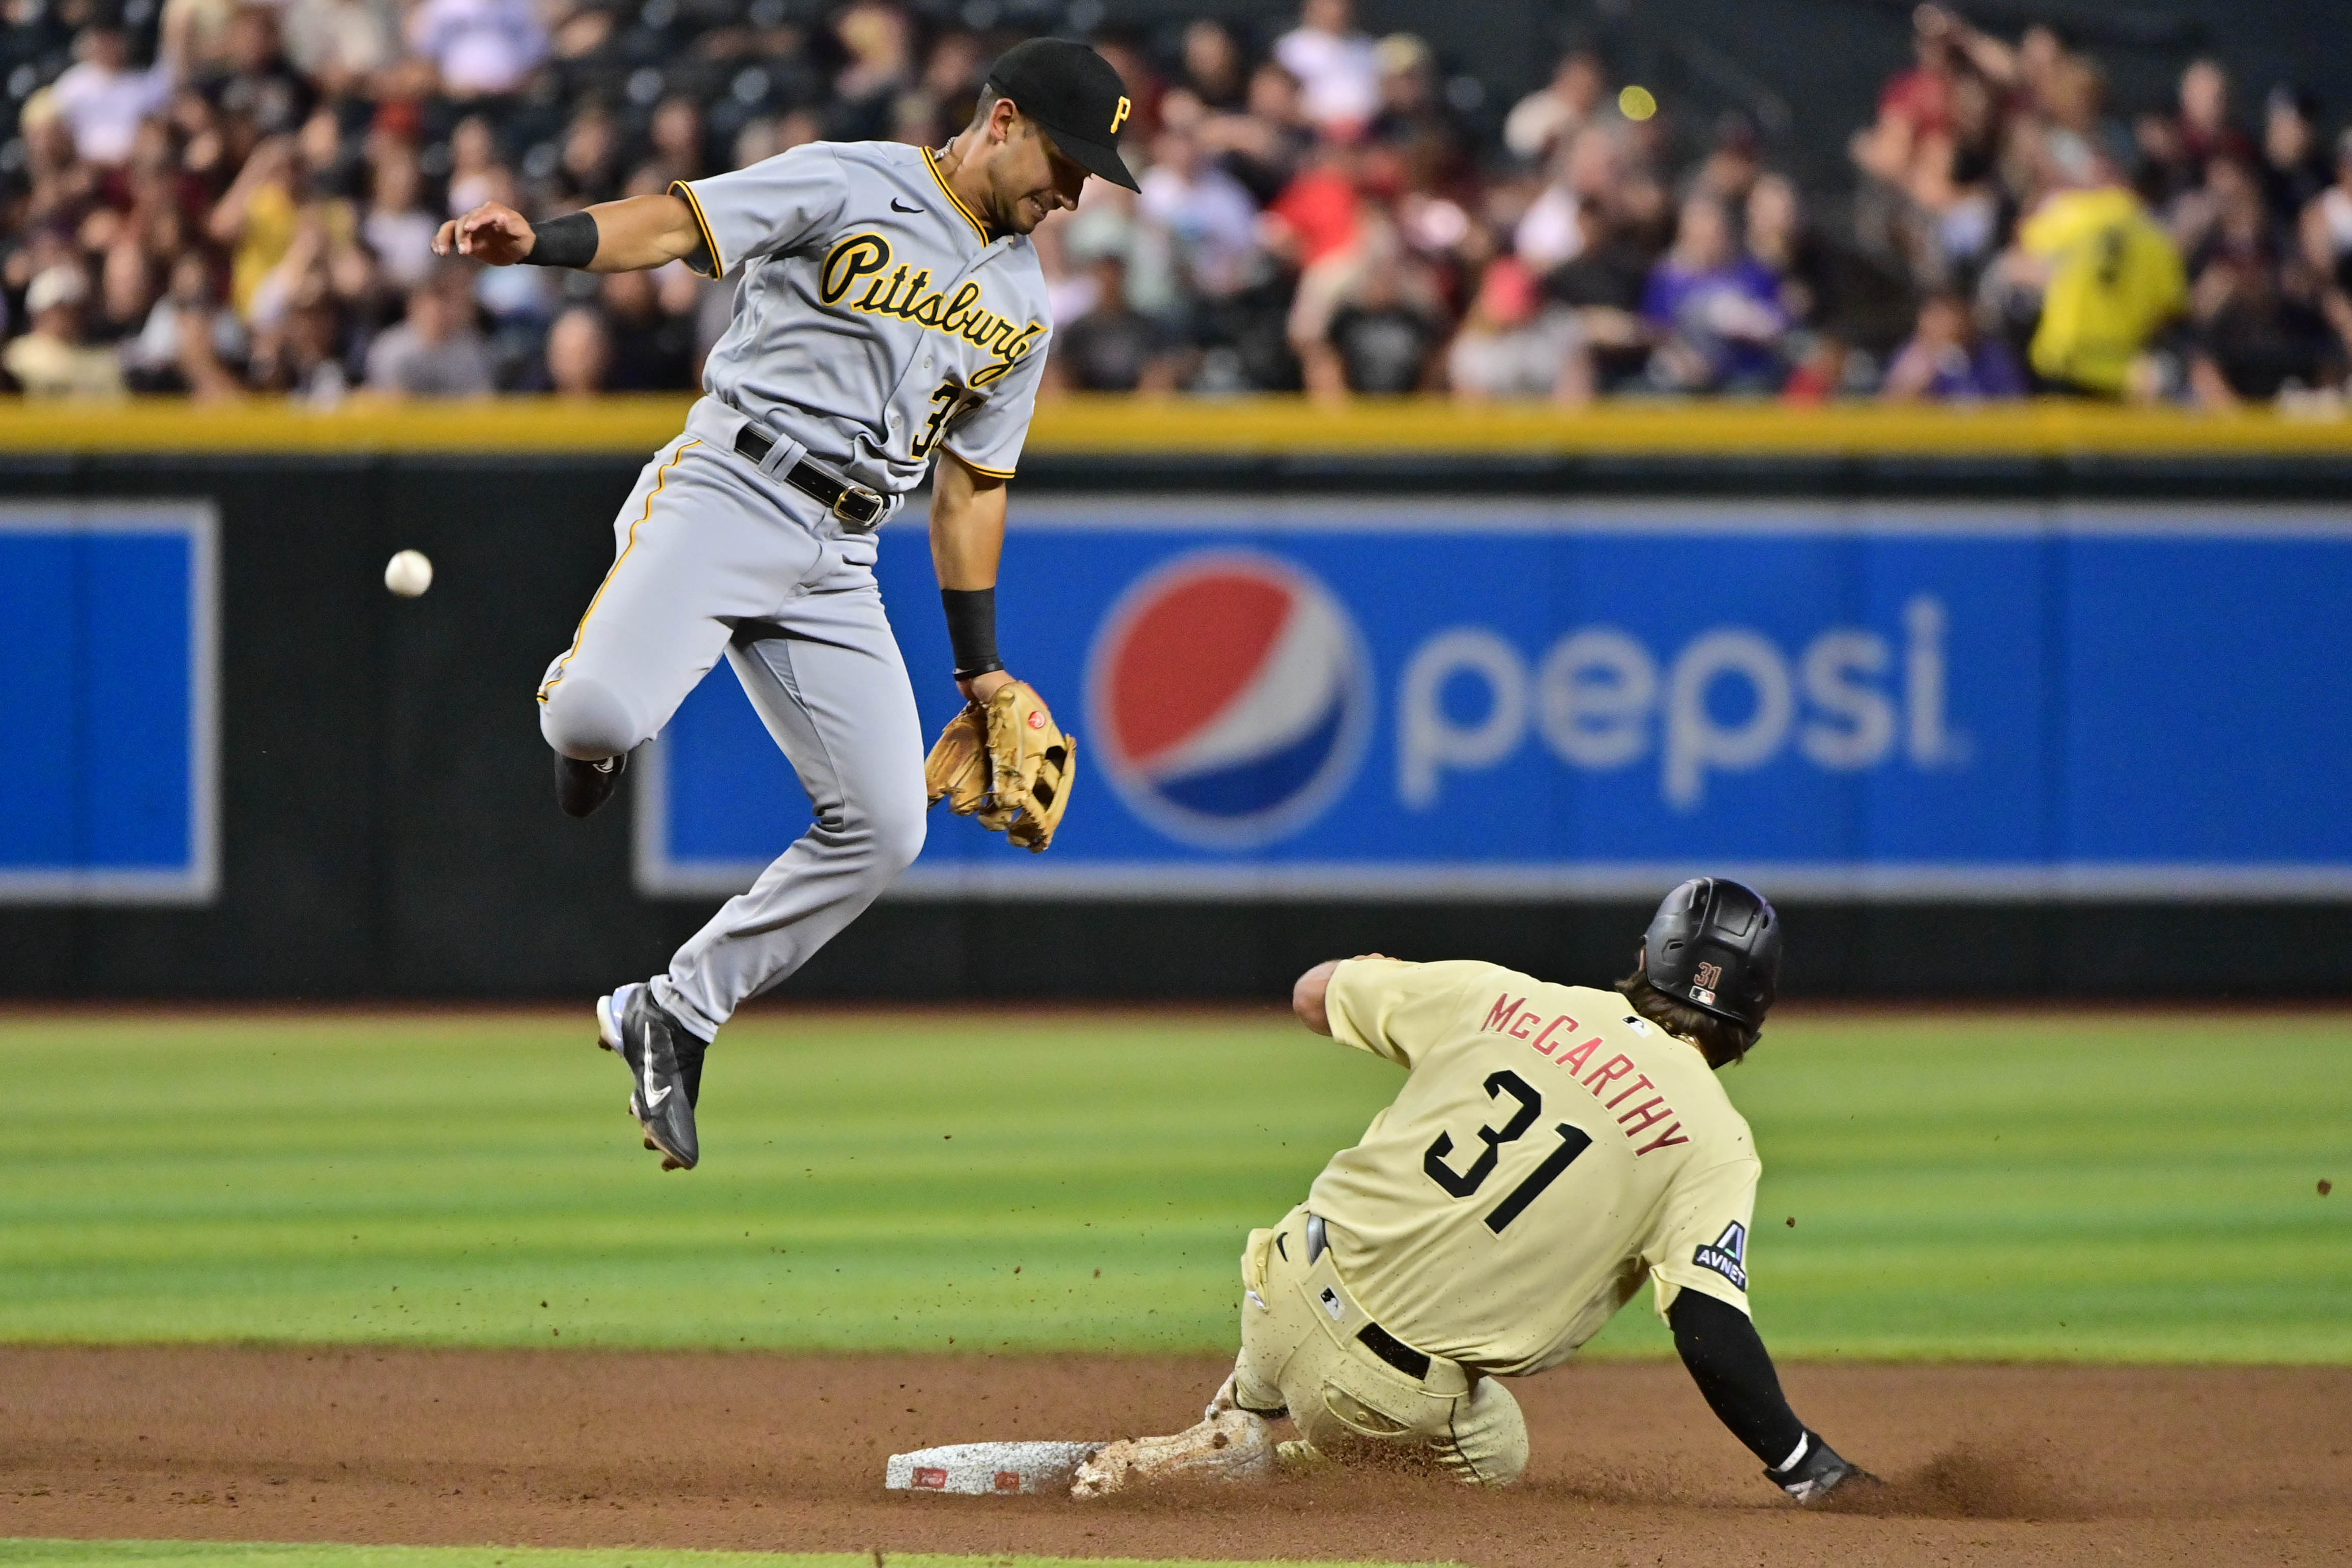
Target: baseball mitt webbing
(1008, 763)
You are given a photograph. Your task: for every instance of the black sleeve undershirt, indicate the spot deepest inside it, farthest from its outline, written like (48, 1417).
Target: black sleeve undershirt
(1728, 1360)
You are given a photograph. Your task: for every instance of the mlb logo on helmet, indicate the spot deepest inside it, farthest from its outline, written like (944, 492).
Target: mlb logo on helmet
(1230, 697)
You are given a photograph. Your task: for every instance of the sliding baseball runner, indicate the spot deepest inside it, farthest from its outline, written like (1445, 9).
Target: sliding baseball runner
(890, 310)
(1553, 1147)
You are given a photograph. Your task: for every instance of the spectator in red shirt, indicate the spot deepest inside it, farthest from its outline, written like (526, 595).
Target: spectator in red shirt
(1912, 107)
(1319, 210)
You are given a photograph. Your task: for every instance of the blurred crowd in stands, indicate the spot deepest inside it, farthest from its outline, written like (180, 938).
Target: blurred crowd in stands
(225, 197)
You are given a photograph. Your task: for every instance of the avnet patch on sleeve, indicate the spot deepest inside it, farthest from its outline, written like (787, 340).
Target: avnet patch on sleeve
(1726, 1254)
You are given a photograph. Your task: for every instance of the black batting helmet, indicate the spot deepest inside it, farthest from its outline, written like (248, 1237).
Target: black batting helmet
(1716, 945)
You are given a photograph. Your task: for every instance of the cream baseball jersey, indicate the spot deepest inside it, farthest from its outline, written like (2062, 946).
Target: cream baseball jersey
(1548, 1152)
(879, 319)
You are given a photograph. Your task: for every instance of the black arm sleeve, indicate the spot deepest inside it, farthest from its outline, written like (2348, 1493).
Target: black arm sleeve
(1728, 1360)
(972, 630)
(567, 241)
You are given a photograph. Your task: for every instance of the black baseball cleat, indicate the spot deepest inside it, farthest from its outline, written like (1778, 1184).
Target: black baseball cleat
(665, 1069)
(581, 787)
(1817, 1472)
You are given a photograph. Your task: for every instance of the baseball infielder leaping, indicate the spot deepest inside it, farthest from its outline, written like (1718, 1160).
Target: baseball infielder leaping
(1553, 1147)
(890, 307)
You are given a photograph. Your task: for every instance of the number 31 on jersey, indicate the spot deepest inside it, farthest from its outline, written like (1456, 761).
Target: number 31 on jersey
(1573, 1141)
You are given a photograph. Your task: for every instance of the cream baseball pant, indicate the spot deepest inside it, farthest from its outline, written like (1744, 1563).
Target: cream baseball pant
(1300, 1352)
(714, 555)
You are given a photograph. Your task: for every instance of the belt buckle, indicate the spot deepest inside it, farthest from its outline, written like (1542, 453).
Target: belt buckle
(868, 503)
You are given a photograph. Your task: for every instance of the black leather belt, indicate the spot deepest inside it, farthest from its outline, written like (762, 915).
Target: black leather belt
(1413, 1363)
(1394, 1350)
(853, 504)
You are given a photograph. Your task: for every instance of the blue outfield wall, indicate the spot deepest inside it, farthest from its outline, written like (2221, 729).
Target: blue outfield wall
(1585, 700)
(108, 700)
(2048, 742)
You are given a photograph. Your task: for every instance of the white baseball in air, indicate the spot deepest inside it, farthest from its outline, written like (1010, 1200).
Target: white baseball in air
(408, 574)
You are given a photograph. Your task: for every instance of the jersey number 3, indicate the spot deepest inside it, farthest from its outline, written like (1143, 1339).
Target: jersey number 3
(1573, 1141)
(947, 402)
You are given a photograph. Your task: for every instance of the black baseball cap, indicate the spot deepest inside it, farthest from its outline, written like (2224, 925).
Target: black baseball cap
(1074, 94)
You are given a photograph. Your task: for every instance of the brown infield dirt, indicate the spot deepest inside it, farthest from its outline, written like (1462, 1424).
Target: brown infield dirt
(1985, 1464)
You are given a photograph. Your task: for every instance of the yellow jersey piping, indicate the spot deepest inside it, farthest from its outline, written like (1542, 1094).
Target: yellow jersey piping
(980, 467)
(710, 240)
(978, 227)
(661, 478)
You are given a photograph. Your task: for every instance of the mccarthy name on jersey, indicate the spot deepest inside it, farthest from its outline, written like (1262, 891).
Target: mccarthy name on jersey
(1550, 1036)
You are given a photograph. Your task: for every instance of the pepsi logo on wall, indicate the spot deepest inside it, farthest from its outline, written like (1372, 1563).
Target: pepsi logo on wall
(1230, 698)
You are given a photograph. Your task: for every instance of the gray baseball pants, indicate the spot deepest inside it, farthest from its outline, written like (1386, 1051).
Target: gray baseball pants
(712, 554)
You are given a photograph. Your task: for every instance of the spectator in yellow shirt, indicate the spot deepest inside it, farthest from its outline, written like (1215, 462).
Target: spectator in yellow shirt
(2110, 280)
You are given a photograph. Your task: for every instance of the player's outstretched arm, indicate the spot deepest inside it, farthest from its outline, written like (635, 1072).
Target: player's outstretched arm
(1725, 1357)
(626, 235)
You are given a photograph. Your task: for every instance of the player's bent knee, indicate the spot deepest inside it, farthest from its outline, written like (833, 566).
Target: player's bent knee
(898, 839)
(586, 720)
(1486, 1442)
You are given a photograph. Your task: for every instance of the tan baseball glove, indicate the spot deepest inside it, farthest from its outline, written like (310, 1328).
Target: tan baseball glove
(1008, 763)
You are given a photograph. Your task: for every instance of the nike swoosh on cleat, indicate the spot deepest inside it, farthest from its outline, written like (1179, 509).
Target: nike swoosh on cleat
(654, 1097)
(897, 208)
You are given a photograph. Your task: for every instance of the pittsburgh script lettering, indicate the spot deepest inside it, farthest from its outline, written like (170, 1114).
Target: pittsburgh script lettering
(909, 296)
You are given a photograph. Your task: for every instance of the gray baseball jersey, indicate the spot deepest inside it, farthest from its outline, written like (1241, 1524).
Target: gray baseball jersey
(879, 319)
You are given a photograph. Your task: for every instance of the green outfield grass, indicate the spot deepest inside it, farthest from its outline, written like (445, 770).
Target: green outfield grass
(20, 1553)
(2134, 1187)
